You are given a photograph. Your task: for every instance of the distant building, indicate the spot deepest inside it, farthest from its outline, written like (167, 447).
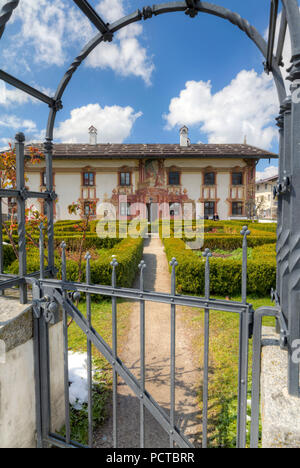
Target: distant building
(266, 204)
(220, 178)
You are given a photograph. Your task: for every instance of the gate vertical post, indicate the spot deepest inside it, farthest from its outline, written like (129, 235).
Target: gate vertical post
(284, 222)
(293, 18)
(243, 352)
(294, 245)
(48, 147)
(1, 241)
(20, 185)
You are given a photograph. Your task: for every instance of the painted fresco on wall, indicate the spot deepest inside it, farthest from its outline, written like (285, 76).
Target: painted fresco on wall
(154, 174)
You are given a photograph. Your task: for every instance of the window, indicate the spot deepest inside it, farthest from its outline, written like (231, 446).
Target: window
(209, 209)
(266, 186)
(89, 209)
(237, 178)
(174, 178)
(237, 208)
(209, 178)
(88, 179)
(44, 180)
(125, 178)
(124, 209)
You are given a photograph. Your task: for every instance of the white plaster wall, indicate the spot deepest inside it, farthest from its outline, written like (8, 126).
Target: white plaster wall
(223, 181)
(68, 191)
(192, 183)
(106, 183)
(17, 393)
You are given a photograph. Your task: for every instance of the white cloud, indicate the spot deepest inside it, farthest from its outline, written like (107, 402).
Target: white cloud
(287, 49)
(10, 96)
(269, 171)
(114, 124)
(15, 123)
(246, 107)
(58, 27)
(125, 55)
(46, 30)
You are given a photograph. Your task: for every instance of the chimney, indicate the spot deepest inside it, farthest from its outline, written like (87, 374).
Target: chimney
(93, 135)
(184, 136)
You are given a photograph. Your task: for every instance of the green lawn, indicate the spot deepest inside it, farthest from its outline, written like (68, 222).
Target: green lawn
(223, 379)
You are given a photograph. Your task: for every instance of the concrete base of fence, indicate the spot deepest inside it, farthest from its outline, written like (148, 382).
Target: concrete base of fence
(280, 411)
(17, 383)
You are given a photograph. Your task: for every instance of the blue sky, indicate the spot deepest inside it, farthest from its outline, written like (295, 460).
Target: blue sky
(156, 76)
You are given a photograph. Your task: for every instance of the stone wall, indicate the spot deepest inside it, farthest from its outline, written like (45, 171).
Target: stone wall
(280, 411)
(17, 382)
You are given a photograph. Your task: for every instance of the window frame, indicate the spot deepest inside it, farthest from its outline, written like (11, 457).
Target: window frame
(171, 174)
(235, 204)
(212, 209)
(127, 183)
(239, 174)
(206, 174)
(89, 173)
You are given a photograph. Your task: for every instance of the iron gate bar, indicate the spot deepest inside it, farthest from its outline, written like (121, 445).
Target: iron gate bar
(89, 354)
(92, 15)
(173, 264)
(11, 193)
(281, 38)
(114, 265)
(26, 88)
(135, 294)
(158, 413)
(272, 31)
(5, 14)
(66, 348)
(207, 254)
(142, 267)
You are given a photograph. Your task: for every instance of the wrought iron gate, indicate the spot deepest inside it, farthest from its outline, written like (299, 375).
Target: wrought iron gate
(51, 295)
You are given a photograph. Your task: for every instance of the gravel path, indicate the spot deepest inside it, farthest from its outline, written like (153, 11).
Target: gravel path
(157, 278)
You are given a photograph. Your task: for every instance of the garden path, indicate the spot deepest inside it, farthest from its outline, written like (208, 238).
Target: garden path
(157, 277)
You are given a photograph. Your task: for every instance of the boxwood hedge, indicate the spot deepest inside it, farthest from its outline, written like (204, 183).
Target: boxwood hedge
(128, 252)
(226, 273)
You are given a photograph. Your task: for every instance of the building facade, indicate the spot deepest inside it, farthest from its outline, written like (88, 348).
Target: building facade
(266, 204)
(220, 179)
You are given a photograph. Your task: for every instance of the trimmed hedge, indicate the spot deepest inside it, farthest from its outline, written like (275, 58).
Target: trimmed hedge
(129, 253)
(226, 274)
(8, 255)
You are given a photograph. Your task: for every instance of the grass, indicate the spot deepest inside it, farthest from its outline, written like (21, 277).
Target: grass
(236, 254)
(223, 367)
(102, 322)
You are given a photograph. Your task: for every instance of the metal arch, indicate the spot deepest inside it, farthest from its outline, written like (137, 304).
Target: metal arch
(5, 14)
(293, 18)
(190, 7)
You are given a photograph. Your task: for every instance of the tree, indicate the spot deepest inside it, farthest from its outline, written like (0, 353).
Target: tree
(8, 180)
(86, 210)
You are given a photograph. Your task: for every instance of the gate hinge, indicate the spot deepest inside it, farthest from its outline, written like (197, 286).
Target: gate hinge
(282, 187)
